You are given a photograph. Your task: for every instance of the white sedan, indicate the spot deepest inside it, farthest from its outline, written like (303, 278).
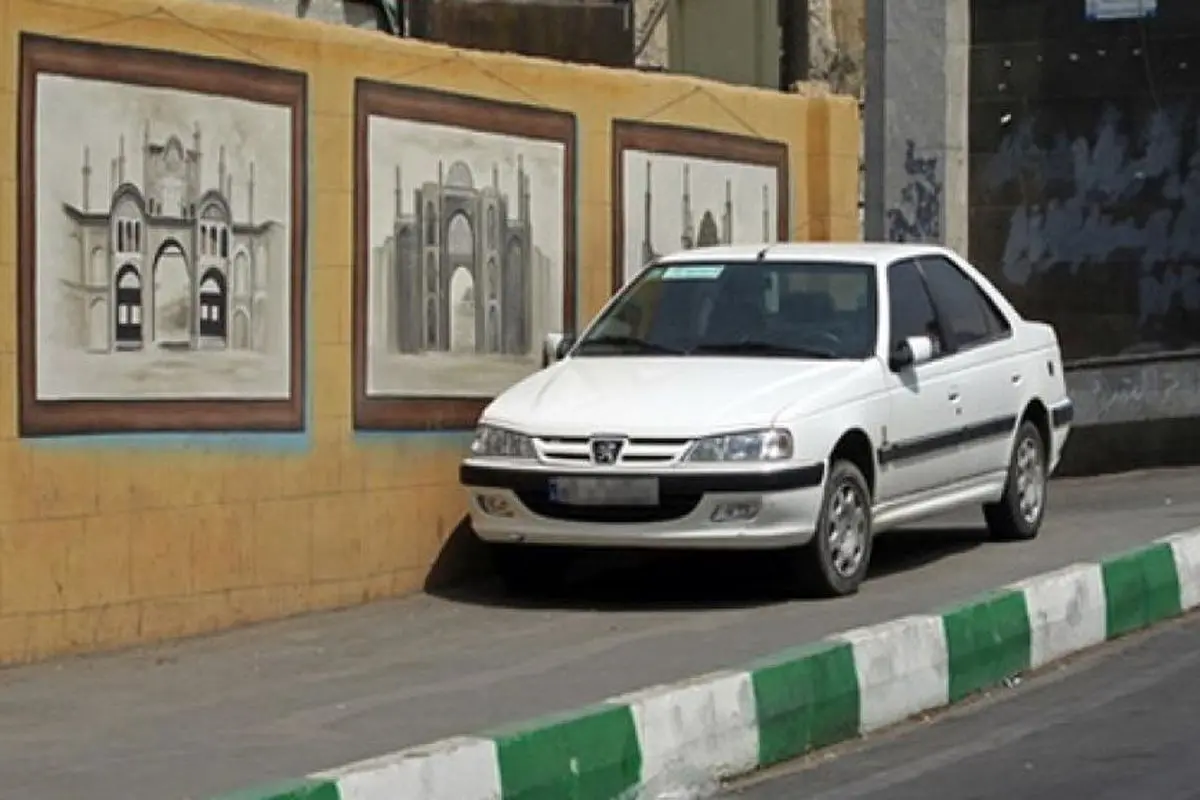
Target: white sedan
(801, 398)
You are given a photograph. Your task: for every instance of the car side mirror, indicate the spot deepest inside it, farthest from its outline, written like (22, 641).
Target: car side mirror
(555, 347)
(909, 353)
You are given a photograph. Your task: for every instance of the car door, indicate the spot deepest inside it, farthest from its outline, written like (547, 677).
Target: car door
(986, 368)
(919, 443)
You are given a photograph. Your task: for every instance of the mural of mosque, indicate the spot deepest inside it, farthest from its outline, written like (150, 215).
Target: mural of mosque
(166, 265)
(452, 224)
(707, 234)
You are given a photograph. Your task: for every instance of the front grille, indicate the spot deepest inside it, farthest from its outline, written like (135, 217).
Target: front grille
(670, 506)
(574, 450)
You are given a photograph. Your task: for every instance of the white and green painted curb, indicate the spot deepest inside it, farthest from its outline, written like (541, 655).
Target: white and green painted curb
(650, 744)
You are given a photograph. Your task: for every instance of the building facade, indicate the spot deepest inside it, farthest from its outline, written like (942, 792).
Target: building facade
(456, 225)
(166, 264)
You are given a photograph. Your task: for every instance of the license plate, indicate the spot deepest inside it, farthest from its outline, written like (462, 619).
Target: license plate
(604, 491)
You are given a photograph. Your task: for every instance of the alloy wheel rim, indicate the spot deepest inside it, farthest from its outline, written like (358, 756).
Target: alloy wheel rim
(1031, 480)
(847, 529)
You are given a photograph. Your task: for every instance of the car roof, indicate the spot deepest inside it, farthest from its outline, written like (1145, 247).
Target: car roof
(878, 253)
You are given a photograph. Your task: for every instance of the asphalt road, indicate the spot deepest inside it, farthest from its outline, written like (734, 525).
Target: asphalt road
(288, 698)
(1120, 724)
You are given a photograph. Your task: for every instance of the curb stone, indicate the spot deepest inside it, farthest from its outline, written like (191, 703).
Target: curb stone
(679, 740)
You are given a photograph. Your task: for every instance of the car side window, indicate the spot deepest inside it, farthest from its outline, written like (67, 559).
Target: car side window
(968, 313)
(911, 309)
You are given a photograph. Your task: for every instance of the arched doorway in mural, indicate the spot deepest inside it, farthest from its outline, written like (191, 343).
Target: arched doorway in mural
(462, 311)
(129, 307)
(514, 291)
(241, 330)
(460, 253)
(98, 267)
(213, 324)
(431, 323)
(431, 306)
(492, 339)
(241, 274)
(99, 324)
(709, 234)
(172, 297)
(460, 238)
(430, 224)
(493, 327)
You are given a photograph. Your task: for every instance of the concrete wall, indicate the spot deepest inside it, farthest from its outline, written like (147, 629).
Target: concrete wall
(915, 122)
(748, 49)
(1085, 202)
(133, 533)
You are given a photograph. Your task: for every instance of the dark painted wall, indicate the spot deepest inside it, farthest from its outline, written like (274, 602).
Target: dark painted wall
(589, 33)
(1085, 170)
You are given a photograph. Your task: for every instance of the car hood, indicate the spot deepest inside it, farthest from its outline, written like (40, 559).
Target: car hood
(665, 396)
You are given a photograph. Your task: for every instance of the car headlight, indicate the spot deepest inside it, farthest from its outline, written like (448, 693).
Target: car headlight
(765, 445)
(502, 443)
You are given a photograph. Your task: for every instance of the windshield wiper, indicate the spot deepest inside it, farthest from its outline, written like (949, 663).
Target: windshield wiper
(633, 342)
(761, 348)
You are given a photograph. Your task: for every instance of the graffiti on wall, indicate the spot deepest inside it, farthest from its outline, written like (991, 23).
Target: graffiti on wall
(465, 259)
(159, 263)
(1128, 196)
(918, 217)
(684, 187)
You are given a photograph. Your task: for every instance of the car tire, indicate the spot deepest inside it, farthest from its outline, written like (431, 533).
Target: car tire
(1018, 515)
(832, 565)
(529, 569)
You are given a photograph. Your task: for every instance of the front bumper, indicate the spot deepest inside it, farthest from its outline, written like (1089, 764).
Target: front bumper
(513, 504)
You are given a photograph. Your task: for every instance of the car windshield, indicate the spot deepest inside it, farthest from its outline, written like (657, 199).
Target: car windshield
(797, 309)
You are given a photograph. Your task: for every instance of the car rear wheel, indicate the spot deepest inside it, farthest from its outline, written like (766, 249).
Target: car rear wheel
(529, 568)
(835, 562)
(1018, 515)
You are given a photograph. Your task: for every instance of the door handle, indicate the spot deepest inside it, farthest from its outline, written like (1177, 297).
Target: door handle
(954, 397)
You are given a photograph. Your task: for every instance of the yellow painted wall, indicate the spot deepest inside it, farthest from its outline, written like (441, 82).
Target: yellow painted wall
(115, 541)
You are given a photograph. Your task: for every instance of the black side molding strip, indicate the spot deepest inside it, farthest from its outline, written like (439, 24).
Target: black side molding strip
(946, 440)
(803, 477)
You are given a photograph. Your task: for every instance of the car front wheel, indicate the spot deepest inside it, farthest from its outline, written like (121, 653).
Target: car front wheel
(1018, 515)
(835, 562)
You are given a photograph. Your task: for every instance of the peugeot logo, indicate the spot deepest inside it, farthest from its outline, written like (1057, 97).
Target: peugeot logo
(607, 451)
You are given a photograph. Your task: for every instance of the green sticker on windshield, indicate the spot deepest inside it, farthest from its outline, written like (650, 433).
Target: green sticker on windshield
(692, 272)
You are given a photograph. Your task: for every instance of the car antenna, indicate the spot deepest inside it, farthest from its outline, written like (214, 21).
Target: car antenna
(762, 253)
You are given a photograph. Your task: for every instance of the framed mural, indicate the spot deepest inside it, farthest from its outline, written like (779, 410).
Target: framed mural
(677, 188)
(161, 238)
(464, 251)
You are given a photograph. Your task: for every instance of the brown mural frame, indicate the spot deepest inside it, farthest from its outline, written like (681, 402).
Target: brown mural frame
(155, 69)
(691, 142)
(417, 104)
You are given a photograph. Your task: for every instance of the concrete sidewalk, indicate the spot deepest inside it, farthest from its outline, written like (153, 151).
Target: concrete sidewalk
(290, 698)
